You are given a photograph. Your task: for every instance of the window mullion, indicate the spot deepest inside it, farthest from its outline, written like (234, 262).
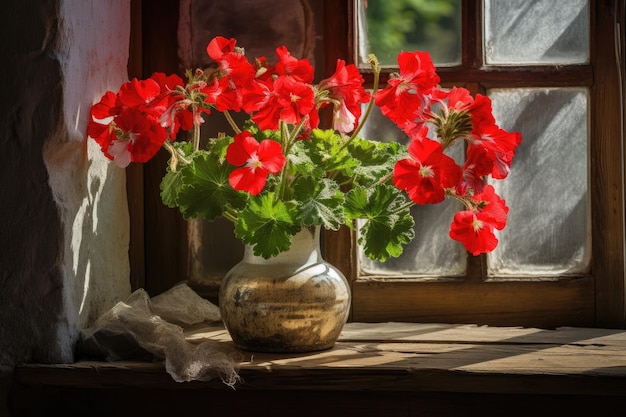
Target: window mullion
(471, 29)
(472, 59)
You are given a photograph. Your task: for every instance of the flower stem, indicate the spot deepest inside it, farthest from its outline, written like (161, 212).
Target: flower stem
(230, 216)
(295, 132)
(176, 156)
(467, 202)
(196, 135)
(287, 139)
(384, 179)
(407, 205)
(231, 121)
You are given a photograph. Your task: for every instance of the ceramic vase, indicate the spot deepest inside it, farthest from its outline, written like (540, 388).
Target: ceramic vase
(294, 302)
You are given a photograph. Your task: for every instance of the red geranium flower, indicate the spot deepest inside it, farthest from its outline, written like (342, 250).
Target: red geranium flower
(346, 90)
(299, 69)
(258, 160)
(142, 138)
(427, 173)
(239, 70)
(139, 93)
(404, 98)
(177, 114)
(220, 46)
(290, 101)
(481, 112)
(458, 98)
(228, 97)
(500, 145)
(492, 208)
(478, 164)
(100, 126)
(166, 82)
(476, 235)
(264, 72)
(475, 229)
(234, 73)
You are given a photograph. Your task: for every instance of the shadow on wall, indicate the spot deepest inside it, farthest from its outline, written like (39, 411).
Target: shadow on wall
(31, 235)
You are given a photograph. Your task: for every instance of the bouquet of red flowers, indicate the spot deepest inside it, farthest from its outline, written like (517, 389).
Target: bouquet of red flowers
(279, 171)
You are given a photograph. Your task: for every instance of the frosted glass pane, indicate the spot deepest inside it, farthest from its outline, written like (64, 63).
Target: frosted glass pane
(386, 27)
(432, 252)
(548, 224)
(536, 32)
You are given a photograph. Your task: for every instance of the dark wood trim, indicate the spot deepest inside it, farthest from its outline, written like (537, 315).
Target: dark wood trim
(165, 234)
(338, 33)
(134, 173)
(135, 58)
(472, 35)
(545, 304)
(499, 76)
(607, 163)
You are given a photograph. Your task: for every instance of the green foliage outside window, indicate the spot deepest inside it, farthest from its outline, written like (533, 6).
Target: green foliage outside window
(432, 25)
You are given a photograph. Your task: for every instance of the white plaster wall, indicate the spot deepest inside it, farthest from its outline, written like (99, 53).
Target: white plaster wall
(92, 50)
(64, 236)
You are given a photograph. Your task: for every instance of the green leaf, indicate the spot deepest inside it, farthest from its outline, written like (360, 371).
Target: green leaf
(383, 238)
(301, 163)
(320, 202)
(170, 184)
(388, 222)
(325, 153)
(376, 159)
(172, 180)
(267, 224)
(218, 146)
(205, 191)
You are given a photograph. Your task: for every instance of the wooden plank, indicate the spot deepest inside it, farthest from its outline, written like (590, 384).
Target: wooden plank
(546, 304)
(471, 333)
(393, 357)
(397, 332)
(353, 367)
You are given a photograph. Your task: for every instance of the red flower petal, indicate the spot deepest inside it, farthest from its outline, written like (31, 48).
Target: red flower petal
(244, 179)
(425, 176)
(491, 207)
(270, 153)
(244, 146)
(476, 235)
(139, 93)
(219, 46)
(259, 160)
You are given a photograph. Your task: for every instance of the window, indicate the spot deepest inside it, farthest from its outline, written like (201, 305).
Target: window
(561, 258)
(549, 69)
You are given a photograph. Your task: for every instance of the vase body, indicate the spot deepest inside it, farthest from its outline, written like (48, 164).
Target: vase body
(294, 302)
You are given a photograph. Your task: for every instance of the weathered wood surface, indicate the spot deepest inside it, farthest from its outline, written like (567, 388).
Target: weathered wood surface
(396, 357)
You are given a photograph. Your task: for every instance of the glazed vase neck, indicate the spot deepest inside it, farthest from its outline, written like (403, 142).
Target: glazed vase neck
(304, 250)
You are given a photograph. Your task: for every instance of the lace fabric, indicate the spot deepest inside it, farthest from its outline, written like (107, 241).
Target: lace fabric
(141, 328)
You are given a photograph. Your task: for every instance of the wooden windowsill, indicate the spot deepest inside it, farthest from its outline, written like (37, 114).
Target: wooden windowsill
(392, 358)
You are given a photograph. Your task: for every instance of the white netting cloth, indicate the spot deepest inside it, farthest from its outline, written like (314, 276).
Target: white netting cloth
(141, 328)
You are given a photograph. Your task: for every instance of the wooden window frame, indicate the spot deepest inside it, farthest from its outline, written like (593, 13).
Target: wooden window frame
(594, 299)
(158, 250)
